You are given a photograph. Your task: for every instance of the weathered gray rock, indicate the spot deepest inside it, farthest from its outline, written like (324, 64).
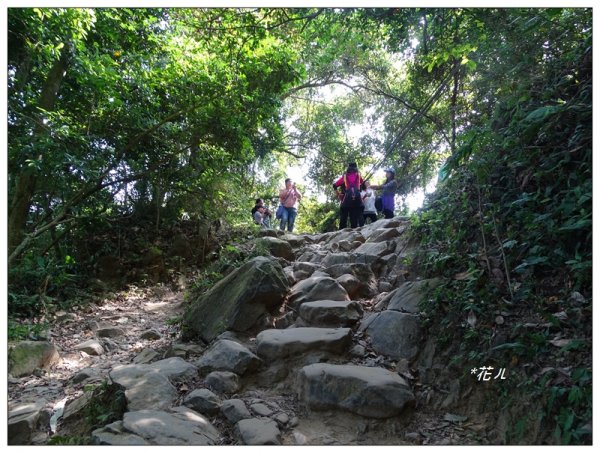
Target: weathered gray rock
(239, 300)
(310, 255)
(174, 368)
(146, 356)
(351, 284)
(278, 344)
(281, 418)
(183, 350)
(345, 246)
(26, 356)
(268, 232)
(235, 410)
(203, 401)
(294, 240)
(223, 381)
(407, 297)
(376, 248)
(367, 282)
(261, 410)
(394, 334)
(227, 355)
(147, 390)
(385, 234)
(331, 313)
(87, 375)
(149, 386)
(106, 331)
(374, 262)
(91, 347)
(182, 426)
(23, 421)
(150, 334)
(258, 431)
(115, 434)
(368, 391)
(316, 288)
(74, 422)
(385, 287)
(277, 247)
(303, 270)
(348, 234)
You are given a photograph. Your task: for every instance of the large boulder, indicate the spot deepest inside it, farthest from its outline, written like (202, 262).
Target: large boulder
(26, 356)
(316, 288)
(228, 355)
(239, 300)
(376, 248)
(180, 426)
(394, 334)
(367, 286)
(278, 344)
(407, 297)
(277, 247)
(367, 391)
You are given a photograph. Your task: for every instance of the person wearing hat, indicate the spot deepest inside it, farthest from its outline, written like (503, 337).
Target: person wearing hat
(351, 202)
(388, 189)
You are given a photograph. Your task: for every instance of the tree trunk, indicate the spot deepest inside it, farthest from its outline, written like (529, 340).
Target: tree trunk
(25, 182)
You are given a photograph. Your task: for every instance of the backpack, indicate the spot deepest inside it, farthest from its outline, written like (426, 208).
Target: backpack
(352, 196)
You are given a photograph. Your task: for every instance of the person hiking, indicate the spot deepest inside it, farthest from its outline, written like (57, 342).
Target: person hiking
(289, 198)
(368, 197)
(388, 189)
(351, 203)
(266, 215)
(261, 218)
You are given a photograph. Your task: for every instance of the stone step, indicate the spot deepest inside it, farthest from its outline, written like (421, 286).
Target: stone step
(367, 391)
(331, 313)
(281, 343)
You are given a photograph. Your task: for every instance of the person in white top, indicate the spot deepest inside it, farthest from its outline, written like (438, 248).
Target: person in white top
(368, 196)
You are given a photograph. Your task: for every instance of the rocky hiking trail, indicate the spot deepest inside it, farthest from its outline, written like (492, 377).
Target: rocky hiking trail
(318, 344)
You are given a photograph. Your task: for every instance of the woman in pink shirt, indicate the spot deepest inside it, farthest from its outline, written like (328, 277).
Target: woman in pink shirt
(289, 198)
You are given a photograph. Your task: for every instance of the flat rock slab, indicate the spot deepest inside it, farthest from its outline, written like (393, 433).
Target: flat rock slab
(258, 431)
(367, 391)
(331, 313)
(23, 420)
(182, 426)
(174, 368)
(149, 386)
(149, 391)
(278, 344)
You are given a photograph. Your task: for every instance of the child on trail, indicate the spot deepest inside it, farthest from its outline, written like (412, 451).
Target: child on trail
(388, 192)
(368, 197)
(266, 215)
(261, 218)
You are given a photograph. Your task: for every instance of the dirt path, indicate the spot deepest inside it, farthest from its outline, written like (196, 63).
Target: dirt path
(134, 311)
